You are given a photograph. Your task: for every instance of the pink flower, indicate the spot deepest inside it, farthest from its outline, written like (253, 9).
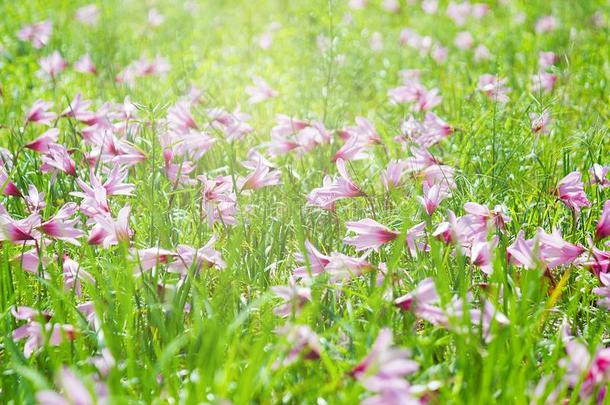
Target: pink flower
(543, 81)
(353, 149)
(73, 275)
(313, 262)
(78, 109)
(73, 392)
(57, 158)
(52, 65)
(463, 40)
(155, 18)
(482, 214)
(38, 34)
(540, 122)
(19, 230)
(385, 366)
(41, 144)
(85, 65)
(430, 6)
(234, 125)
(459, 12)
(189, 258)
(433, 196)
(218, 201)
(333, 190)
(7, 187)
(151, 257)
(108, 232)
(262, 175)
(413, 234)
(305, 343)
(376, 42)
(599, 175)
(571, 192)
(494, 88)
(546, 24)
(39, 113)
(603, 291)
(546, 59)
(603, 225)
(392, 6)
(260, 91)
(38, 333)
(61, 227)
(521, 252)
(391, 176)
(370, 234)
(424, 294)
(414, 92)
(180, 118)
(364, 130)
(34, 199)
(481, 52)
(555, 251)
(88, 15)
(293, 296)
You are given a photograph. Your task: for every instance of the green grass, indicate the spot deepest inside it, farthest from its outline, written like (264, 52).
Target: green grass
(226, 347)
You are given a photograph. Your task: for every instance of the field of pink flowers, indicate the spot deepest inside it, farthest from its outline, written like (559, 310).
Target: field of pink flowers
(304, 202)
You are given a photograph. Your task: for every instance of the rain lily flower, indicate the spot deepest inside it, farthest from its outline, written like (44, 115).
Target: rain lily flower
(19, 230)
(218, 201)
(155, 18)
(603, 225)
(108, 232)
(433, 196)
(73, 392)
(39, 113)
(376, 42)
(540, 122)
(34, 199)
(294, 298)
(61, 227)
(180, 118)
(603, 291)
(385, 366)
(494, 87)
(78, 109)
(414, 92)
(188, 258)
(546, 24)
(57, 159)
(88, 15)
(571, 192)
(353, 149)
(370, 234)
(333, 190)
(413, 235)
(262, 175)
(599, 175)
(546, 59)
(7, 187)
(424, 294)
(555, 251)
(313, 262)
(73, 275)
(41, 144)
(523, 253)
(37, 333)
(151, 257)
(260, 91)
(392, 175)
(85, 65)
(464, 40)
(429, 6)
(481, 52)
(38, 34)
(305, 344)
(543, 81)
(52, 65)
